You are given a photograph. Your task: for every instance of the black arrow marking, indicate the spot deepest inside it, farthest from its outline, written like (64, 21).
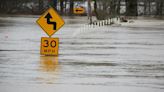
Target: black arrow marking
(78, 10)
(48, 17)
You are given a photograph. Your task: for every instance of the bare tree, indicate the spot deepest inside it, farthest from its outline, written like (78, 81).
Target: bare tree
(118, 7)
(41, 5)
(159, 7)
(71, 7)
(131, 7)
(107, 8)
(61, 6)
(89, 11)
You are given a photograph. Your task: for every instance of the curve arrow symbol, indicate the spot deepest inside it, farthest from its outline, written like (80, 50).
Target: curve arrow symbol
(48, 17)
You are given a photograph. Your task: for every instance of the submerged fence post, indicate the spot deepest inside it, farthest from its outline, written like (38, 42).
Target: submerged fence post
(106, 22)
(103, 23)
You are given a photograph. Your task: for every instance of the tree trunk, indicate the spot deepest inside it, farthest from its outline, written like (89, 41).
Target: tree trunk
(145, 7)
(61, 6)
(113, 9)
(55, 4)
(71, 7)
(131, 8)
(65, 5)
(149, 7)
(40, 5)
(118, 7)
(157, 7)
(89, 11)
(95, 9)
(161, 8)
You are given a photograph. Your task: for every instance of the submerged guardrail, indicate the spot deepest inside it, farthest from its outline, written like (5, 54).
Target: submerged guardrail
(101, 23)
(96, 25)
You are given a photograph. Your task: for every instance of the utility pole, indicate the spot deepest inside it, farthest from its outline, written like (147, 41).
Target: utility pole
(89, 12)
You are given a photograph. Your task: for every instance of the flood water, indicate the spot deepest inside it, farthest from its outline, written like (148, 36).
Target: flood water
(101, 59)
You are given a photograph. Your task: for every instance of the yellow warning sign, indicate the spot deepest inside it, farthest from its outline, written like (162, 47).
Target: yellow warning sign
(49, 46)
(50, 22)
(79, 10)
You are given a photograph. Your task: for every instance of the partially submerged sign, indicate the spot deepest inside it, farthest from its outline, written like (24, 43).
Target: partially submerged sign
(49, 46)
(79, 10)
(50, 22)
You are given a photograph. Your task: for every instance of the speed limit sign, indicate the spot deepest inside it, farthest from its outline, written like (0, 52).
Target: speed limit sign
(49, 46)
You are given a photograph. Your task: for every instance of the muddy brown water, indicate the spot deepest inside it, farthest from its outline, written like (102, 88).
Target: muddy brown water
(106, 59)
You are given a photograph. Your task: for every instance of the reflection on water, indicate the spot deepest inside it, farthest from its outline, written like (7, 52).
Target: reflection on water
(49, 63)
(49, 69)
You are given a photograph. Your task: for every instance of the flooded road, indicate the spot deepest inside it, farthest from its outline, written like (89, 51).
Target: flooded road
(101, 59)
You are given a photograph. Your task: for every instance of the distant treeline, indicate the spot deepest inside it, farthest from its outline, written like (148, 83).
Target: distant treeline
(109, 8)
(21, 6)
(35, 6)
(101, 8)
